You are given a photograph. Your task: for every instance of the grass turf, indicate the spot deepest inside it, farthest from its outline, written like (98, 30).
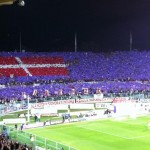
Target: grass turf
(109, 134)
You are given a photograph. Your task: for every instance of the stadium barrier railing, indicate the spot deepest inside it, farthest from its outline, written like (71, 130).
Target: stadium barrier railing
(32, 140)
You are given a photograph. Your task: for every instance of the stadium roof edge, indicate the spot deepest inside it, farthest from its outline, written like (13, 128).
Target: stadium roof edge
(6, 2)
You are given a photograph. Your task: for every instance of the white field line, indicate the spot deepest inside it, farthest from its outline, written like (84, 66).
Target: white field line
(124, 137)
(138, 137)
(82, 126)
(45, 128)
(104, 132)
(128, 138)
(140, 123)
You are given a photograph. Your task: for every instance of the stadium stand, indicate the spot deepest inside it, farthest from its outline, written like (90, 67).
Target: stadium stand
(65, 76)
(115, 72)
(13, 71)
(8, 61)
(48, 71)
(42, 60)
(7, 144)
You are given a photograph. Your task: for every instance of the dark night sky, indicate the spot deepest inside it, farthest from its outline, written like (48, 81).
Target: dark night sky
(48, 25)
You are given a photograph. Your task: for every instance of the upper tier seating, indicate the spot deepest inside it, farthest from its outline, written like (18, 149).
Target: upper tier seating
(125, 65)
(12, 71)
(42, 60)
(114, 72)
(33, 66)
(48, 71)
(8, 61)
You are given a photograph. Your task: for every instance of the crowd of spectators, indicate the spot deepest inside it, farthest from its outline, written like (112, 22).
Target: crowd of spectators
(115, 72)
(8, 144)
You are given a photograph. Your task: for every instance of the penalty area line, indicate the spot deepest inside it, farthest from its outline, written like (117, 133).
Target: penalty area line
(138, 137)
(108, 133)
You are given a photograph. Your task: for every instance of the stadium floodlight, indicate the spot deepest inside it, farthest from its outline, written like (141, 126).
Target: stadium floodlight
(21, 3)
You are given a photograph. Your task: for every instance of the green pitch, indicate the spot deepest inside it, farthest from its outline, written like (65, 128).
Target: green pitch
(129, 134)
